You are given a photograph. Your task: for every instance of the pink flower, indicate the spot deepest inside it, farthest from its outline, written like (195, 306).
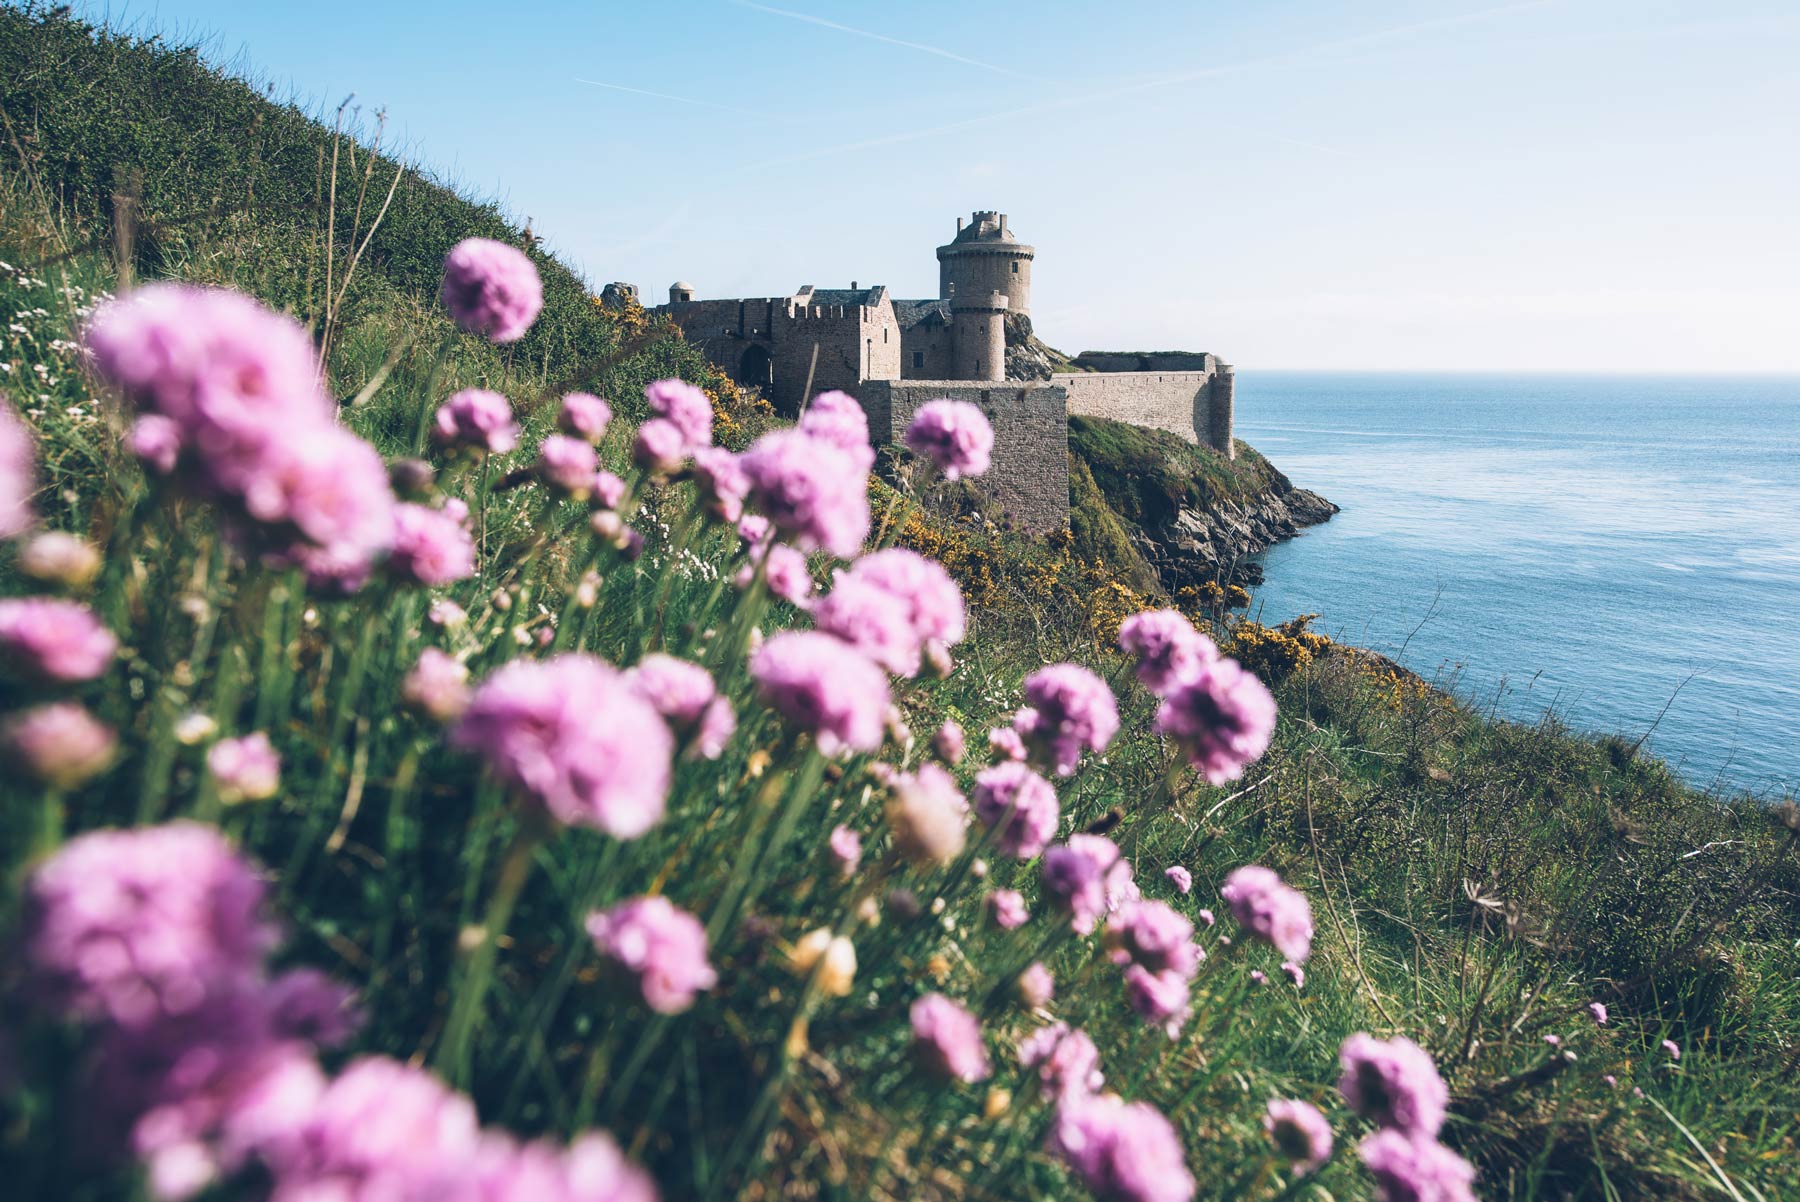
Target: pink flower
(609, 490)
(60, 559)
(134, 925)
(1005, 743)
(1036, 986)
(1299, 1132)
(1597, 1011)
(954, 435)
(1295, 973)
(1168, 648)
(933, 603)
(53, 640)
(838, 418)
(687, 408)
(723, 484)
(1067, 1061)
(661, 945)
(1071, 710)
(437, 686)
(1206, 916)
(156, 440)
(1416, 1168)
(1221, 716)
(1008, 908)
(330, 487)
(446, 613)
(784, 569)
(846, 849)
(18, 474)
(1672, 1048)
(659, 447)
(60, 744)
(1183, 880)
(872, 620)
(825, 687)
(575, 738)
(245, 769)
(814, 493)
(1393, 1083)
(585, 416)
(678, 690)
(1160, 998)
(568, 465)
(491, 289)
(928, 815)
(754, 529)
(1086, 879)
(432, 546)
(1152, 934)
(947, 1039)
(1121, 1151)
(477, 418)
(1020, 804)
(1258, 977)
(948, 743)
(717, 725)
(1270, 910)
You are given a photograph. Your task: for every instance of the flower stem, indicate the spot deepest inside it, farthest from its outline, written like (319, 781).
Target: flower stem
(452, 1057)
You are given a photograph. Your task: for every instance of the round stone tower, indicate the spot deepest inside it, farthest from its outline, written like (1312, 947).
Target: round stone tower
(984, 257)
(978, 330)
(680, 292)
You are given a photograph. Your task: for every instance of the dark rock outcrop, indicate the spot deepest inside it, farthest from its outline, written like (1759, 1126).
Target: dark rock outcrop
(1218, 542)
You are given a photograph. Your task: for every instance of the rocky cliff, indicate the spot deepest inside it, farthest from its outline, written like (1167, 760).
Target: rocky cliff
(1188, 513)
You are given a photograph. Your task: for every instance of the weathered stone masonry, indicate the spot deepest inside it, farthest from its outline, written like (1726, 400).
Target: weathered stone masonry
(894, 355)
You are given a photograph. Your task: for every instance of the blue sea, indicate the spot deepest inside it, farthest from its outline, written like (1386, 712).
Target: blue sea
(1603, 546)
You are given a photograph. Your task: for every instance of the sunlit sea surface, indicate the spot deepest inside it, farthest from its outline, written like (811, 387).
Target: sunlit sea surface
(1596, 544)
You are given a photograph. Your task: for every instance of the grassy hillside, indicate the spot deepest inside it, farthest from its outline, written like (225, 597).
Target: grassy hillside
(1474, 884)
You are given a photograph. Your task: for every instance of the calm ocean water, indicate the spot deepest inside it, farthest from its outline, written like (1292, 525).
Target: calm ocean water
(1582, 542)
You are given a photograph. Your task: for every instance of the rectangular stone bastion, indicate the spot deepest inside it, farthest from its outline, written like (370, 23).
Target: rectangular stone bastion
(1029, 478)
(1194, 404)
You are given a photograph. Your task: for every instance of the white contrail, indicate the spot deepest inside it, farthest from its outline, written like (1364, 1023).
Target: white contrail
(921, 47)
(705, 104)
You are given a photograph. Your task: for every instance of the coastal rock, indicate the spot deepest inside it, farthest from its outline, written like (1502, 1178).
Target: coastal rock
(1218, 543)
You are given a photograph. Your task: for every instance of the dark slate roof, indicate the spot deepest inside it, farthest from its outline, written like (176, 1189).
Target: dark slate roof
(847, 296)
(910, 313)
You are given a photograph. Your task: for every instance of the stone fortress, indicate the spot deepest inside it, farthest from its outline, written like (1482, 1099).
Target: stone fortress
(972, 342)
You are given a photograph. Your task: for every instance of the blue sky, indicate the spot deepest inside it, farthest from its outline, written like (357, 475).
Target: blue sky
(1552, 184)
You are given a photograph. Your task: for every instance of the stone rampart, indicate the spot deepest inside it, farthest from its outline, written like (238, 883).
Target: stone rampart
(1183, 402)
(1030, 475)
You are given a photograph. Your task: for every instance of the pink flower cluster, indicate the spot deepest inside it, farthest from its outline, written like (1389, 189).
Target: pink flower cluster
(1411, 1168)
(1220, 715)
(437, 686)
(1020, 805)
(1394, 1084)
(1299, 1132)
(477, 419)
(812, 491)
(17, 474)
(947, 1040)
(54, 641)
(574, 737)
(825, 687)
(1156, 944)
(659, 945)
(1066, 1060)
(1121, 1151)
(59, 744)
(1168, 648)
(838, 418)
(232, 389)
(1086, 878)
(1270, 909)
(585, 416)
(928, 815)
(491, 289)
(895, 605)
(432, 547)
(244, 769)
(1067, 710)
(685, 695)
(954, 435)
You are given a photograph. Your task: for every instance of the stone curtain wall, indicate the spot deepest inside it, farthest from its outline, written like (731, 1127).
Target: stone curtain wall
(1181, 402)
(1030, 475)
(852, 340)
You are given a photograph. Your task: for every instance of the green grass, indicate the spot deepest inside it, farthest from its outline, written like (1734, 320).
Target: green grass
(1475, 883)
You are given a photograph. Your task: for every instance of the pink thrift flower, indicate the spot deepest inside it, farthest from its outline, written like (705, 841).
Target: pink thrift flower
(1597, 1011)
(659, 447)
(678, 690)
(1121, 1151)
(928, 815)
(156, 441)
(948, 743)
(491, 289)
(1295, 973)
(1005, 743)
(446, 614)
(954, 435)
(437, 686)
(1159, 998)
(60, 744)
(131, 926)
(568, 465)
(1416, 1168)
(1183, 880)
(432, 547)
(1168, 648)
(846, 849)
(1393, 1083)
(477, 418)
(331, 488)
(1270, 910)
(815, 494)
(1020, 804)
(659, 944)
(1072, 710)
(823, 686)
(18, 474)
(838, 418)
(688, 408)
(585, 416)
(933, 602)
(1258, 977)
(1066, 1059)
(723, 484)
(1086, 878)
(1222, 717)
(574, 737)
(717, 725)
(53, 640)
(1036, 986)
(872, 620)
(1612, 1082)
(1672, 1048)
(1152, 934)
(1299, 1132)
(1206, 916)
(1008, 908)
(1553, 1040)
(947, 1039)
(245, 769)
(609, 490)
(785, 571)
(754, 529)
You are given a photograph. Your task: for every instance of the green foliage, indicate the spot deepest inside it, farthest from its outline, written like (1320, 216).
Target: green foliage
(1146, 475)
